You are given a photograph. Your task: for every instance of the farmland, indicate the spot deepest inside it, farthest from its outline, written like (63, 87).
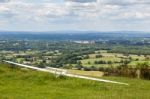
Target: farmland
(104, 59)
(16, 83)
(85, 55)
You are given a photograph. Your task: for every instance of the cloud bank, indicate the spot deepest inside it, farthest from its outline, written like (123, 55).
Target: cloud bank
(77, 14)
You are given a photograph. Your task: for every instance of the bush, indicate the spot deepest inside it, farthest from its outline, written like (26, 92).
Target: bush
(79, 67)
(87, 68)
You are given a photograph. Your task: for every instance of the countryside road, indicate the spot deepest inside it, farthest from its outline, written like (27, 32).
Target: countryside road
(64, 72)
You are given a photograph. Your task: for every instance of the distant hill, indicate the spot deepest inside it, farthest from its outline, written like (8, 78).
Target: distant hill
(73, 35)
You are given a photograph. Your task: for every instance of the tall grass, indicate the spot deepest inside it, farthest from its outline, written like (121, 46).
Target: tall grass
(16, 83)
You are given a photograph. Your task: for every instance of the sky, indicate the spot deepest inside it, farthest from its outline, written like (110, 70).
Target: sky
(80, 15)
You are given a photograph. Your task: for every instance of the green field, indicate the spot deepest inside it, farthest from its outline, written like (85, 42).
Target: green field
(106, 57)
(114, 58)
(16, 83)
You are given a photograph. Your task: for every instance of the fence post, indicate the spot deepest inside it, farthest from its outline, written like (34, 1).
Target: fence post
(138, 73)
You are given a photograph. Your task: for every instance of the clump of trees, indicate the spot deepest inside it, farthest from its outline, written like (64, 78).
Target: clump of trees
(100, 62)
(98, 56)
(103, 62)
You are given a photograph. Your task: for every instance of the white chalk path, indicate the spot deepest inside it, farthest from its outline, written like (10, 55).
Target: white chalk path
(64, 72)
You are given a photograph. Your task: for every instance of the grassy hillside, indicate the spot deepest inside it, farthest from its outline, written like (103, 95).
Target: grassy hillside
(18, 83)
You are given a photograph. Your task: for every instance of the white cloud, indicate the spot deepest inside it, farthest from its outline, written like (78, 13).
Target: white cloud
(81, 1)
(108, 12)
(4, 1)
(125, 2)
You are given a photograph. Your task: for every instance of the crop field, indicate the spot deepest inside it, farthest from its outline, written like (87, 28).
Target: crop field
(16, 83)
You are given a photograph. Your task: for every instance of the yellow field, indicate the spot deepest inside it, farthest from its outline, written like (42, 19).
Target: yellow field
(87, 73)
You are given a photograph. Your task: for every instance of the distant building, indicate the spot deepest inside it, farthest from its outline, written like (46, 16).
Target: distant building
(85, 42)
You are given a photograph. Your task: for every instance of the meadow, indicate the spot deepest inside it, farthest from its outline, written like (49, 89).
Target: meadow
(17, 83)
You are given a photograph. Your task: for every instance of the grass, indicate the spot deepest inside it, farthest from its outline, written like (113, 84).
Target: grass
(133, 64)
(16, 83)
(86, 73)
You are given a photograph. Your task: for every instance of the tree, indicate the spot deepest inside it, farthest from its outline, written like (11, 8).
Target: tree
(109, 62)
(79, 67)
(89, 62)
(79, 63)
(144, 65)
(41, 65)
(98, 56)
(95, 62)
(93, 68)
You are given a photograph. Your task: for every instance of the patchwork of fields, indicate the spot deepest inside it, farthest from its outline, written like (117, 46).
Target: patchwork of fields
(104, 59)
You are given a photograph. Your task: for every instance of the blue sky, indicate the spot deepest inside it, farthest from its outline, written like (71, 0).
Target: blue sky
(84, 15)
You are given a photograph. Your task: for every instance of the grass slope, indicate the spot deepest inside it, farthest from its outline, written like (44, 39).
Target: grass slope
(18, 83)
